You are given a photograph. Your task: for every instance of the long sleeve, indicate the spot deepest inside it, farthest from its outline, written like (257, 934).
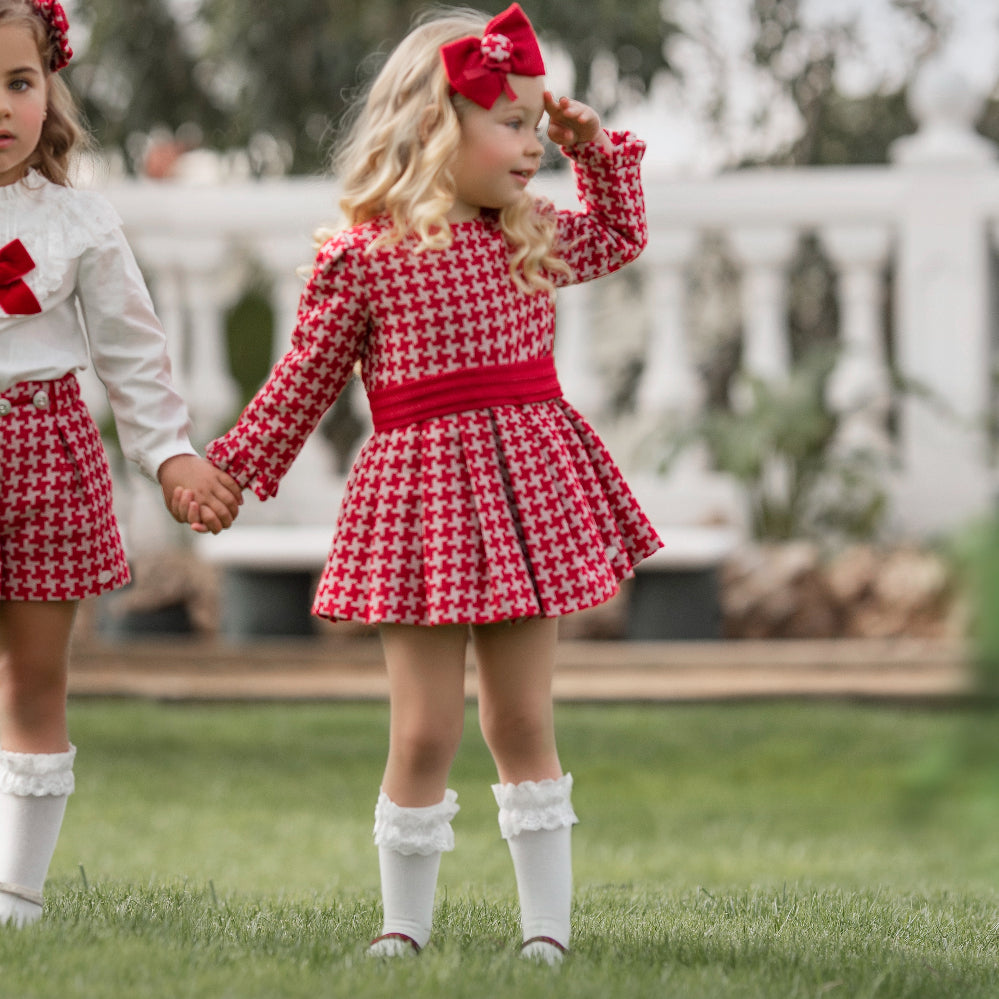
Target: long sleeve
(612, 229)
(83, 267)
(327, 341)
(128, 348)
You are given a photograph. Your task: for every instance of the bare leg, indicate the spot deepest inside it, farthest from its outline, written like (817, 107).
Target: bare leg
(33, 675)
(36, 759)
(516, 663)
(426, 671)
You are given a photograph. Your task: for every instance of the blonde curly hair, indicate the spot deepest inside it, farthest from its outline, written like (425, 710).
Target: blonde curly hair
(62, 131)
(403, 135)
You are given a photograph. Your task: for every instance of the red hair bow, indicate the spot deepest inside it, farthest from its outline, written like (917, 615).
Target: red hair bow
(55, 17)
(477, 68)
(16, 298)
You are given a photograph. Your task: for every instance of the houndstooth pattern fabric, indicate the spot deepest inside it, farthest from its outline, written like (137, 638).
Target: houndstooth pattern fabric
(479, 516)
(59, 538)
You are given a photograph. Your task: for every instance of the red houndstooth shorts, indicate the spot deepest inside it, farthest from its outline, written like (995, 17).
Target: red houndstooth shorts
(59, 539)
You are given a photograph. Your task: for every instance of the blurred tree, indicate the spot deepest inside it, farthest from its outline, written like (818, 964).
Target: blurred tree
(275, 79)
(247, 73)
(635, 36)
(299, 63)
(137, 73)
(803, 59)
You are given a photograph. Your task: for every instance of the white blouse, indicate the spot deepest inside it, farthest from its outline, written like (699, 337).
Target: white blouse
(95, 307)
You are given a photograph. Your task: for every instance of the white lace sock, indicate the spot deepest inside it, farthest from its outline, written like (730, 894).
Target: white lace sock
(410, 842)
(33, 792)
(536, 820)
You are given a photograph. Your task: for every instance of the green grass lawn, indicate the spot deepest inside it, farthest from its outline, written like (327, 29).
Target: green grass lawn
(759, 850)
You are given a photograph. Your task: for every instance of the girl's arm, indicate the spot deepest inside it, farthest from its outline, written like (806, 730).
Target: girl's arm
(611, 230)
(128, 348)
(327, 341)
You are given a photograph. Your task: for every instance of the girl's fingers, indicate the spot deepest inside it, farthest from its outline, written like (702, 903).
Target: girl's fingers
(570, 121)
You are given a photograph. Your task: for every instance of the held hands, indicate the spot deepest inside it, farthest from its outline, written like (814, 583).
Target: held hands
(572, 123)
(199, 494)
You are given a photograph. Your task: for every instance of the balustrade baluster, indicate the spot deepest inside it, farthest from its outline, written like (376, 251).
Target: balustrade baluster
(211, 387)
(860, 387)
(764, 252)
(670, 385)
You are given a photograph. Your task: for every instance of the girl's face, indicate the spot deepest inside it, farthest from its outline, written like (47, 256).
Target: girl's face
(23, 101)
(500, 150)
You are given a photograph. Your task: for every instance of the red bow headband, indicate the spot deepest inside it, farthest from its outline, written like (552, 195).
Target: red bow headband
(55, 17)
(477, 68)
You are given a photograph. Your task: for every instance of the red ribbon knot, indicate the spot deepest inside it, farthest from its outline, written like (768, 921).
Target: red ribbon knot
(16, 298)
(497, 48)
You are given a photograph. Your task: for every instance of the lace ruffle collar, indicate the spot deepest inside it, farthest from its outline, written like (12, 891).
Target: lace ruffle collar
(56, 224)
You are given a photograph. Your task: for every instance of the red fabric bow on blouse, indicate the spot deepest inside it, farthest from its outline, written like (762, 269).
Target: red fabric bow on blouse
(477, 68)
(16, 298)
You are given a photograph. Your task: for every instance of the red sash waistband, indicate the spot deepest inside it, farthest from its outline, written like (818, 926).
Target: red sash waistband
(513, 384)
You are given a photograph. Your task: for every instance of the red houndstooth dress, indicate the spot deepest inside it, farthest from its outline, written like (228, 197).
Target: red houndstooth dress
(507, 506)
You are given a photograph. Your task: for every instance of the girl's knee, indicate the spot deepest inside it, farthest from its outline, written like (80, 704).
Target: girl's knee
(518, 732)
(27, 683)
(425, 749)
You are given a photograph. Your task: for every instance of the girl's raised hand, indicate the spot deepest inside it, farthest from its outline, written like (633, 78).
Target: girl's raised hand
(572, 123)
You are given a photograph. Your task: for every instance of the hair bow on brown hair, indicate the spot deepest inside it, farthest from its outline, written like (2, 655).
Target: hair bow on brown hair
(477, 68)
(55, 17)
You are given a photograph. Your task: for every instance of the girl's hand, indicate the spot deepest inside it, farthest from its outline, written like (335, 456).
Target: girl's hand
(199, 494)
(187, 510)
(572, 123)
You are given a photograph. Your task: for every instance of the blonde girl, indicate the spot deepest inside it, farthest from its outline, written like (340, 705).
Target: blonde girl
(483, 504)
(62, 254)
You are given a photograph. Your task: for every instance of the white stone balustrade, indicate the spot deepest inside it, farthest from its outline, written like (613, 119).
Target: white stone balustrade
(933, 219)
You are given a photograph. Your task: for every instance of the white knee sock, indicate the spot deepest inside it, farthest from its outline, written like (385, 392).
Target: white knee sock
(33, 792)
(536, 820)
(410, 842)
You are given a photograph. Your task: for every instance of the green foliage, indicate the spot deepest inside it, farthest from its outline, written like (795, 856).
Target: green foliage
(299, 89)
(745, 851)
(779, 443)
(138, 72)
(803, 62)
(855, 130)
(249, 337)
(975, 551)
(635, 34)
(237, 70)
(234, 71)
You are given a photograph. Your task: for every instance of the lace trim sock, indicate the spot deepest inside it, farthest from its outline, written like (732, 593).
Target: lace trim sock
(423, 830)
(410, 842)
(536, 820)
(37, 774)
(33, 792)
(533, 805)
